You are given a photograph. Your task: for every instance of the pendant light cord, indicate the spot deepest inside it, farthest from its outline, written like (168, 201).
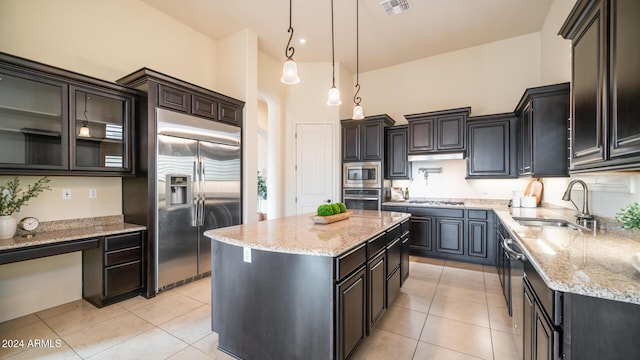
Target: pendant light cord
(289, 48)
(356, 98)
(333, 51)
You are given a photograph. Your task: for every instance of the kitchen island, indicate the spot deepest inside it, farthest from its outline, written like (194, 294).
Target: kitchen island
(291, 289)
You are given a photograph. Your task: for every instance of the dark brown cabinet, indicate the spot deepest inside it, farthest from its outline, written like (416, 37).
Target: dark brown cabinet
(397, 165)
(115, 270)
(543, 148)
(351, 296)
(606, 81)
(541, 338)
(451, 233)
(449, 236)
(491, 146)
(174, 94)
(405, 249)
(363, 140)
(56, 122)
(437, 131)
(377, 285)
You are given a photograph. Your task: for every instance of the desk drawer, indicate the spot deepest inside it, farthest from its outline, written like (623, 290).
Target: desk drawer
(122, 278)
(122, 256)
(122, 241)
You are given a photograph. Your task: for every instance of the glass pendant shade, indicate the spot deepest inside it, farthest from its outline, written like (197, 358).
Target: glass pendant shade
(334, 97)
(290, 72)
(358, 113)
(84, 130)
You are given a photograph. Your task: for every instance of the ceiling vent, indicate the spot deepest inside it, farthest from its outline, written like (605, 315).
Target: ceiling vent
(395, 7)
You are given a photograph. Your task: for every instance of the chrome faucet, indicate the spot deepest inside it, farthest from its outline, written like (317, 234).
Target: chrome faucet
(584, 218)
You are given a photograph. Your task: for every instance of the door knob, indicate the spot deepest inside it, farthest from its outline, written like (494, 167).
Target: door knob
(328, 201)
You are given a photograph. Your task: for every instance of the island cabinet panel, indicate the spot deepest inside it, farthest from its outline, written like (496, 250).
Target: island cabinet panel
(278, 305)
(377, 283)
(351, 296)
(404, 261)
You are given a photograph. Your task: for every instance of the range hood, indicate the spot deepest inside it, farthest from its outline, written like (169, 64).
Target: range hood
(436, 156)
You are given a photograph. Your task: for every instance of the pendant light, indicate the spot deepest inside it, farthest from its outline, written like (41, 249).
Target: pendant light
(290, 69)
(84, 130)
(358, 113)
(334, 93)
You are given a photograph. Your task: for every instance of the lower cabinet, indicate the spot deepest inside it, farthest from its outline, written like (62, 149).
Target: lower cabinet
(377, 281)
(114, 271)
(351, 296)
(541, 338)
(394, 255)
(404, 258)
(453, 233)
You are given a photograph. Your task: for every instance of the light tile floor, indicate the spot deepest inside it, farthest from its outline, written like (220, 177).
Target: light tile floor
(446, 310)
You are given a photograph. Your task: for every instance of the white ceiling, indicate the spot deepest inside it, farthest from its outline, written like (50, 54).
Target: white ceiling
(431, 27)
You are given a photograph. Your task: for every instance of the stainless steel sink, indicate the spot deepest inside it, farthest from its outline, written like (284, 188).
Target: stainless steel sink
(549, 222)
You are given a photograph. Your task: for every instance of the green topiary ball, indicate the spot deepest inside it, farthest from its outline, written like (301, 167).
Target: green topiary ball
(343, 207)
(324, 210)
(336, 208)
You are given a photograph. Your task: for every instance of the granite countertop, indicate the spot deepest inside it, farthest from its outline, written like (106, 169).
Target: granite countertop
(588, 263)
(464, 203)
(596, 264)
(300, 235)
(66, 230)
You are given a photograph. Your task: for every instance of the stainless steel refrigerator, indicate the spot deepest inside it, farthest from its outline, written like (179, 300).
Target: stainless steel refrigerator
(198, 188)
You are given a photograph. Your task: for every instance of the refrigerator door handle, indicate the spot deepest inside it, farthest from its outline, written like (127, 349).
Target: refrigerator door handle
(201, 191)
(194, 194)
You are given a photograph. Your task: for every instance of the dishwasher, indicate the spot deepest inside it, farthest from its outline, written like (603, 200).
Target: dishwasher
(512, 266)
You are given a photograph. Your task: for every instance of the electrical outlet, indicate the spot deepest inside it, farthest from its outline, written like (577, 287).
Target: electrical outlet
(66, 194)
(93, 193)
(246, 254)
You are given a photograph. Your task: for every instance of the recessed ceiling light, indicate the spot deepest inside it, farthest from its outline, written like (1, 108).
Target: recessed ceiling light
(302, 41)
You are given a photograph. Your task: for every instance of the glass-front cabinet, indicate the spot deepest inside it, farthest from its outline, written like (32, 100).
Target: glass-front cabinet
(100, 130)
(55, 122)
(33, 122)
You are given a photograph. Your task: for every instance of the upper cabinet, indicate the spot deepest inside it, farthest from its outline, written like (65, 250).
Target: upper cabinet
(437, 131)
(363, 140)
(606, 82)
(396, 163)
(55, 122)
(543, 147)
(174, 94)
(491, 146)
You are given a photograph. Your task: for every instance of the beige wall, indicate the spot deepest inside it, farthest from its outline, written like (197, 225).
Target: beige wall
(490, 78)
(556, 51)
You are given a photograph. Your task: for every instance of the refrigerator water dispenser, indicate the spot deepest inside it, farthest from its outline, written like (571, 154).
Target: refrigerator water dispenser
(179, 190)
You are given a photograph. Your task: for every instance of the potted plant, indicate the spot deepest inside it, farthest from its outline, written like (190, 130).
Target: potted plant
(12, 198)
(262, 196)
(629, 216)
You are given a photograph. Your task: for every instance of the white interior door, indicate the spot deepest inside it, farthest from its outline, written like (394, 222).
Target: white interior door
(314, 166)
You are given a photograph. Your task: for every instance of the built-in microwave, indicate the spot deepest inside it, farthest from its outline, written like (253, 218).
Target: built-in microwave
(362, 175)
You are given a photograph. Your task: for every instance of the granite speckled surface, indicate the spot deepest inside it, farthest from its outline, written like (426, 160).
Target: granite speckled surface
(596, 264)
(588, 263)
(64, 230)
(300, 235)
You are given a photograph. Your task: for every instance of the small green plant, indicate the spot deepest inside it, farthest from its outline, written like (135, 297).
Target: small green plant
(336, 208)
(629, 216)
(12, 197)
(343, 207)
(262, 187)
(325, 210)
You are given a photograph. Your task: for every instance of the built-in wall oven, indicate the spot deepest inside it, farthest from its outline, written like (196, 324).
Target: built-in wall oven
(362, 199)
(362, 185)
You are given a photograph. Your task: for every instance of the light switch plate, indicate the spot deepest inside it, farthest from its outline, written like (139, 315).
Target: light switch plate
(246, 254)
(93, 193)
